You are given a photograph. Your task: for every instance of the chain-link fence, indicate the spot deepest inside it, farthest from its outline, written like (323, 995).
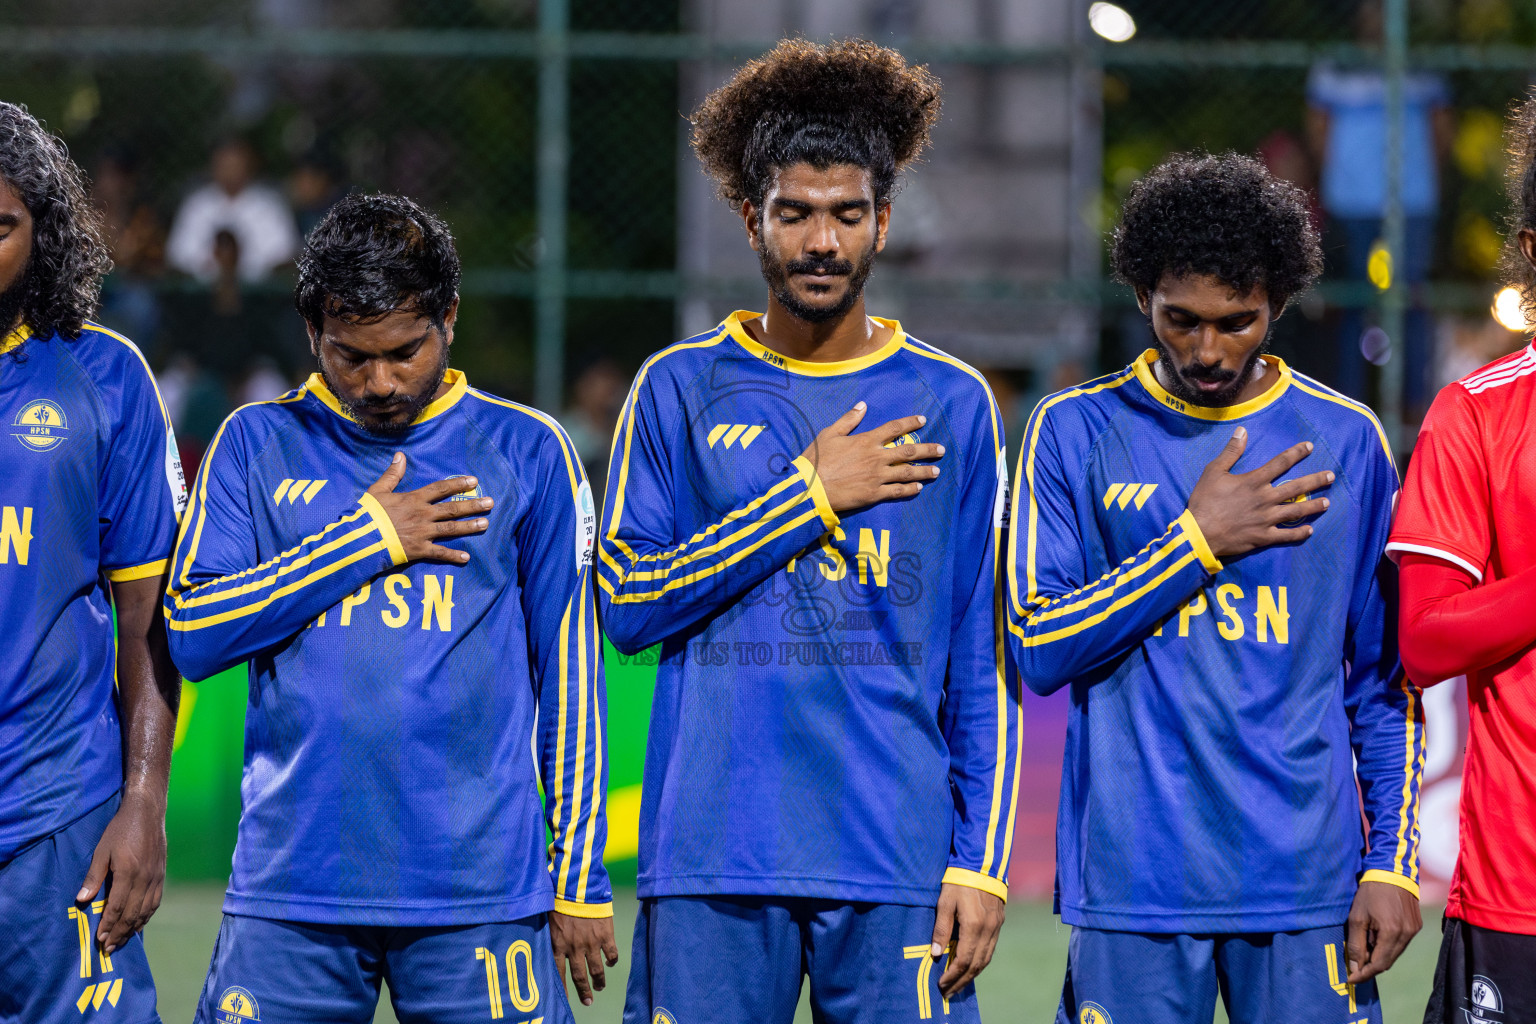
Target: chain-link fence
(549, 135)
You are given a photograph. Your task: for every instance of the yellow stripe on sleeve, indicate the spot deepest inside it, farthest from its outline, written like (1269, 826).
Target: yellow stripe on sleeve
(129, 573)
(1094, 620)
(589, 910)
(977, 880)
(1391, 878)
(181, 625)
(386, 527)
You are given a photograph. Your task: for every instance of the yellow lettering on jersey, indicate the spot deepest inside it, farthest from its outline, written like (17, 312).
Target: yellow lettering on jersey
(437, 599)
(15, 535)
(1231, 626)
(872, 559)
(836, 566)
(348, 603)
(1271, 613)
(1196, 606)
(397, 614)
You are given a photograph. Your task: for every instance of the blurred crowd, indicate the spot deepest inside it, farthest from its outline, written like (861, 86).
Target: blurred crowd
(207, 296)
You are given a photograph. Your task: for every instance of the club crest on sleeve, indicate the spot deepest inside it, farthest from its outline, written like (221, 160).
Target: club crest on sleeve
(586, 525)
(41, 425)
(237, 1006)
(1093, 1013)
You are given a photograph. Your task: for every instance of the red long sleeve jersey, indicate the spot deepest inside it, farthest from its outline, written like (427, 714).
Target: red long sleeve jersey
(1469, 499)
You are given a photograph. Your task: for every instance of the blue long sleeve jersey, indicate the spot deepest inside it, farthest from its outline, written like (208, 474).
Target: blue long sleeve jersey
(402, 716)
(90, 489)
(832, 718)
(1216, 710)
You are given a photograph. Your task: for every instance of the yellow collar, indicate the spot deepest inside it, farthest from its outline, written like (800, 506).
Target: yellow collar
(733, 326)
(15, 338)
(457, 383)
(1143, 368)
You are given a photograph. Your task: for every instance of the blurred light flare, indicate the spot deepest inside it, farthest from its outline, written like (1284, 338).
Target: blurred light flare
(1111, 22)
(1506, 310)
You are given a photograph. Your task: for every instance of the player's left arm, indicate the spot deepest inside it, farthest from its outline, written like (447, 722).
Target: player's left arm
(1387, 731)
(141, 495)
(555, 542)
(980, 716)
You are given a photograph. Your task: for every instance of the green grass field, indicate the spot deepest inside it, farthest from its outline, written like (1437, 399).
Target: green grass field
(1023, 983)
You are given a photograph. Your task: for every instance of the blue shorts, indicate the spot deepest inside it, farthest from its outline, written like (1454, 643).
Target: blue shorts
(51, 969)
(292, 972)
(729, 959)
(1174, 979)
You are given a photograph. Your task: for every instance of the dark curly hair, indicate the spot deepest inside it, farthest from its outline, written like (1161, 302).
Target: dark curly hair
(61, 287)
(852, 102)
(1221, 216)
(1521, 139)
(373, 255)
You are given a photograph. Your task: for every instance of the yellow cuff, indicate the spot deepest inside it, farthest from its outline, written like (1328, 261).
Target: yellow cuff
(570, 909)
(138, 572)
(977, 880)
(1392, 878)
(1197, 541)
(386, 527)
(807, 473)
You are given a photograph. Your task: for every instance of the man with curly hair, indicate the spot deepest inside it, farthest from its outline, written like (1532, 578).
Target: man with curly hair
(1469, 594)
(90, 492)
(829, 784)
(1197, 551)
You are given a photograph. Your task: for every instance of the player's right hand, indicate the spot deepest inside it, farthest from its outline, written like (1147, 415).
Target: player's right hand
(858, 470)
(1239, 512)
(422, 518)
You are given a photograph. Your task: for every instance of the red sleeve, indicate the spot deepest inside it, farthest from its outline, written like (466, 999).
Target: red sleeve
(1444, 508)
(1448, 625)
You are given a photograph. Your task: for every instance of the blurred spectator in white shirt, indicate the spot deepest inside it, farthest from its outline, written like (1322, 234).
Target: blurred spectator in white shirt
(258, 217)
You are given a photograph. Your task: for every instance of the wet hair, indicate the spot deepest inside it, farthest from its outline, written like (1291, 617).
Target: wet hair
(61, 287)
(851, 102)
(373, 255)
(1521, 138)
(1223, 216)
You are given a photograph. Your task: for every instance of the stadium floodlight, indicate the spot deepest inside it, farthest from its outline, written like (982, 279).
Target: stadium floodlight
(1111, 22)
(1507, 311)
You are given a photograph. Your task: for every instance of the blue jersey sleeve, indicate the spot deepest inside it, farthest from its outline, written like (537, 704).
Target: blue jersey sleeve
(653, 582)
(554, 541)
(142, 491)
(1385, 708)
(980, 716)
(224, 602)
(1063, 621)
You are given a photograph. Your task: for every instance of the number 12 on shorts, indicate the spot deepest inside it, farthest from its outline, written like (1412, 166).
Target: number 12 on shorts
(925, 964)
(521, 988)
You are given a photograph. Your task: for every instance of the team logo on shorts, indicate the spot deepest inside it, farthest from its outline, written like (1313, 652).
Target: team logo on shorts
(663, 1016)
(1093, 1013)
(40, 425)
(1486, 1001)
(236, 1006)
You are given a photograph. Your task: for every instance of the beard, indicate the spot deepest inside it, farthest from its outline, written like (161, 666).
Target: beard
(1233, 381)
(777, 273)
(369, 413)
(13, 300)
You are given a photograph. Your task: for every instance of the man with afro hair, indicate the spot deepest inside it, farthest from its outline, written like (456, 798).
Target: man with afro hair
(1197, 552)
(90, 492)
(830, 777)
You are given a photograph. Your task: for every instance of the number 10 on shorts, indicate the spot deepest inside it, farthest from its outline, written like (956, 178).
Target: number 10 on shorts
(521, 988)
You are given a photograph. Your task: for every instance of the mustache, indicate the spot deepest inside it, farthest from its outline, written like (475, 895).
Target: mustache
(828, 267)
(1209, 374)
